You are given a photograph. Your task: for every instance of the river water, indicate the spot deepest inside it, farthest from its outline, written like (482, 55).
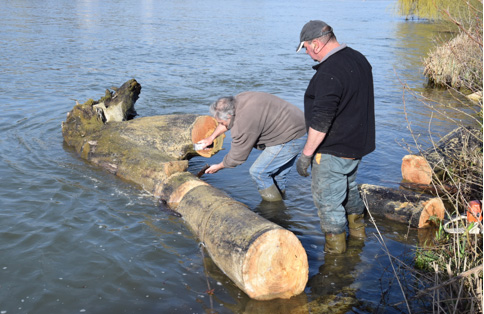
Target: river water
(75, 239)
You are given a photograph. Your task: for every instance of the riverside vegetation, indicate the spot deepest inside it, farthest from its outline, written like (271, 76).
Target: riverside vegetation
(448, 269)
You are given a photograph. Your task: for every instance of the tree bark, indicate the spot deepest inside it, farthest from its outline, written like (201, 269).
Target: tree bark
(263, 259)
(407, 207)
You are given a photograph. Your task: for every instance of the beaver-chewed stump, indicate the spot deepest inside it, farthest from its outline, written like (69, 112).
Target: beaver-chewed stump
(263, 259)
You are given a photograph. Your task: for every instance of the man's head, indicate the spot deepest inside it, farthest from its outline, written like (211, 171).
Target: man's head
(312, 30)
(315, 36)
(223, 109)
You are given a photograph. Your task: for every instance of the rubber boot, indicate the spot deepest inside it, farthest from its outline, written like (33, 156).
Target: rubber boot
(356, 225)
(271, 194)
(335, 243)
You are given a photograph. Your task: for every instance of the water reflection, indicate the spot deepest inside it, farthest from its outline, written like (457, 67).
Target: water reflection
(295, 305)
(426, 236)
(240, 302)
(333, 282)
(278, 213)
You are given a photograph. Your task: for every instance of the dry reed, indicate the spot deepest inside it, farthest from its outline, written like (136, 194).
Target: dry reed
(448, 271)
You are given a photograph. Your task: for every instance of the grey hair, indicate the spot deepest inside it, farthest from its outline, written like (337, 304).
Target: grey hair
(223, 108)
(329, 36)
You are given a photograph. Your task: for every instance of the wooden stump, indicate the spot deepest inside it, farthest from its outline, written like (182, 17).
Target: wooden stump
(146, 150)
(404, 206)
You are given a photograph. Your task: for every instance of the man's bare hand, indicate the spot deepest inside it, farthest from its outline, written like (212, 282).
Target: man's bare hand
(204, 143)
(215, 168)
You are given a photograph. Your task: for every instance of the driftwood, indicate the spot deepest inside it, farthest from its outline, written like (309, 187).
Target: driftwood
(420, 169)
(263, 259)
(404, 206)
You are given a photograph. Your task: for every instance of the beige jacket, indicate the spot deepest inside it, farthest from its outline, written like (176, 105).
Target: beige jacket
(261, 119)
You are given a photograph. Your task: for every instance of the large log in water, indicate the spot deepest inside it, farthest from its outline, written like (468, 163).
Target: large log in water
(263, 259)
(145, 150)
(414, 209)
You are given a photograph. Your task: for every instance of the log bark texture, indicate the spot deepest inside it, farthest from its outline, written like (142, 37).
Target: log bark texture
(404, 206)
(263, 259)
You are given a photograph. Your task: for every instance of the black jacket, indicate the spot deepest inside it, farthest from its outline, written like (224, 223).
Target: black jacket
(339, 101)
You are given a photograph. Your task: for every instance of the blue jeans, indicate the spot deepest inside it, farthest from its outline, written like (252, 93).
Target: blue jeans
(274, 163)
(335, 191)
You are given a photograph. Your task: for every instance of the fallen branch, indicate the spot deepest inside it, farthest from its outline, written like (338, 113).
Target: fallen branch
(422, 168)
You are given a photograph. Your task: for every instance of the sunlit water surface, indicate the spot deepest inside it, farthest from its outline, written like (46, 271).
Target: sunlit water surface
(74, 238)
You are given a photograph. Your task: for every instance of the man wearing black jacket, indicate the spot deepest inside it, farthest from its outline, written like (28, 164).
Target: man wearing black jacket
(340, 120)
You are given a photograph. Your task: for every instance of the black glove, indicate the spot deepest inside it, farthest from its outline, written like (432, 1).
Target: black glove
(302, 165)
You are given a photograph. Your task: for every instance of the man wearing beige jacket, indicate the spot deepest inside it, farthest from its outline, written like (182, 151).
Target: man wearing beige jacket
(265, 122)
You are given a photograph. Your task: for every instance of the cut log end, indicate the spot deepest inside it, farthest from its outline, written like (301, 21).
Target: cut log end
(432, 208)
(416, 169)
(276, 266)
(203, 128)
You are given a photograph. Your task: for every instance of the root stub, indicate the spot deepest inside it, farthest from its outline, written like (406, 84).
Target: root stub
(276, 266)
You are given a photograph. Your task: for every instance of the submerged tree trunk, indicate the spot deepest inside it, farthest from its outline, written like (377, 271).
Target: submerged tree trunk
(407, 207)
(263, 259)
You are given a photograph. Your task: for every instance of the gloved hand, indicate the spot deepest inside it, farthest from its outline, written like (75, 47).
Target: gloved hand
(302, 164)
